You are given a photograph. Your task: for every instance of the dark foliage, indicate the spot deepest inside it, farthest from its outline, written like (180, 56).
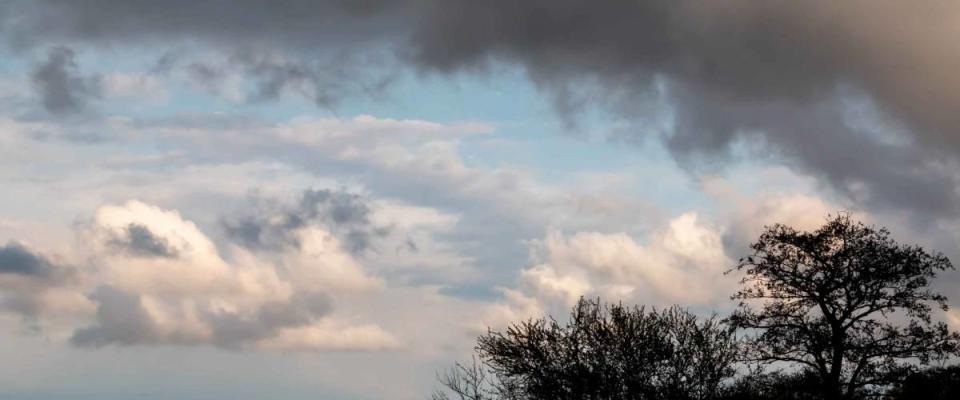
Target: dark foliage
(845, 303)
(602, 352)
(774, 386)
(931, 384)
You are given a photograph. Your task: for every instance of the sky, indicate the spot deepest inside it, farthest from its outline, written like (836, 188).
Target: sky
(332, 199)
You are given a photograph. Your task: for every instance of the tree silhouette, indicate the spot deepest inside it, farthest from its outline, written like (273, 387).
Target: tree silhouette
(474, 382)
(602, 352)
(845, 303)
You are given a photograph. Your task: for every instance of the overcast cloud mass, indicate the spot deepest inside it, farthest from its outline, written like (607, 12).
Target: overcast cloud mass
(330, 199)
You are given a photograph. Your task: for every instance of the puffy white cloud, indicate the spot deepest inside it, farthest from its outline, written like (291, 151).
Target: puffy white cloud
(175, 259)
(322, 263)
(797, 208)
(681, 263)
(515, 306)
(148, 275)
(158, 279)
(743, 214)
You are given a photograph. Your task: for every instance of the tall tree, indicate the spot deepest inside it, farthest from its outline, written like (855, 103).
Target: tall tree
(845, 302)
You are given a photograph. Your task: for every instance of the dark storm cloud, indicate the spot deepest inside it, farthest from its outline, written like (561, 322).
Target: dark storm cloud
(765, 73)
(33, 274)
(743, 71)
(17, 259)
(818, 139)
(289, 23)
(327, 35)
(61, 87)
(273, 225)
(138, 240)
(323, 80)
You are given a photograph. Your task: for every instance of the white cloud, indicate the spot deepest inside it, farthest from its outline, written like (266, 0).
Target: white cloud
(191, 263)
(327, 336)
(795, 208)
(158, 279)
(414, 243)
(681, 263)
(321, 264)
(514, 307)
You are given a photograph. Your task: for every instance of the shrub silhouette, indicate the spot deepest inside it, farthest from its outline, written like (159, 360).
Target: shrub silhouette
(933, 384)
(602, 352)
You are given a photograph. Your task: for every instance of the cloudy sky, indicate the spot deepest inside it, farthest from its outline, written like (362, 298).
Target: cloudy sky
(331, 199)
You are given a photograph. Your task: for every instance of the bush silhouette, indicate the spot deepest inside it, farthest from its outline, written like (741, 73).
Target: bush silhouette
(602, 352)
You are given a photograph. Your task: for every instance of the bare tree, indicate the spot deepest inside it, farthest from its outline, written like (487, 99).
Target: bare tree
(464, 382)
(846, 303)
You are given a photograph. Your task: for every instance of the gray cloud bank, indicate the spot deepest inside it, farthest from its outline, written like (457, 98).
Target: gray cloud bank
(861, 94)
(272, 225)
(61, 87)
(28, 278)
(769, 74)
(17, 259)
(138, 240)
(123, 319)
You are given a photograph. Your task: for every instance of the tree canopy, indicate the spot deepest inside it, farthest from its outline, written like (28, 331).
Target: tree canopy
(846, 303)
(601, 352)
